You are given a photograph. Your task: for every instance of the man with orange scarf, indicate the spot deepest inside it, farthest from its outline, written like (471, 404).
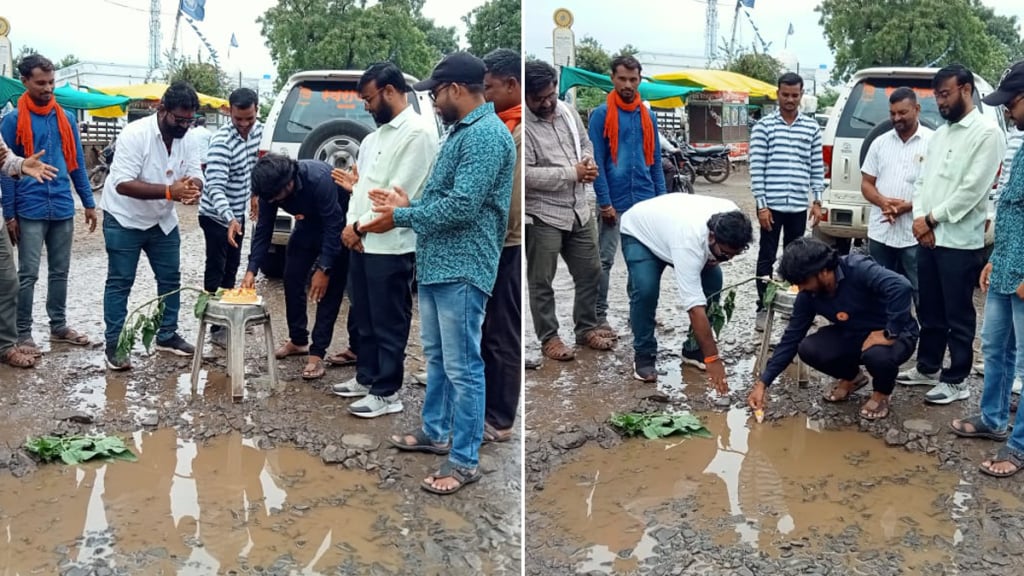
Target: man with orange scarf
(42, 213)
(500, 344)
(628, 155)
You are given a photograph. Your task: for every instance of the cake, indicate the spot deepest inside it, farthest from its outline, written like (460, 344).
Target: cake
(239, 296)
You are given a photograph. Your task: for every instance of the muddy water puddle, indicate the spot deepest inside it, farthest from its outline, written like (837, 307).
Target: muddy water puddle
(191, 508)
(780, 488)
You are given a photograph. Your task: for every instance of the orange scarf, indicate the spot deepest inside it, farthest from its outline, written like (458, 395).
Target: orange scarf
(23, 131)
(512, 116)
(611, 126)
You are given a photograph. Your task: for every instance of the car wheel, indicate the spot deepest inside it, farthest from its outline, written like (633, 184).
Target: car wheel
(335, 142)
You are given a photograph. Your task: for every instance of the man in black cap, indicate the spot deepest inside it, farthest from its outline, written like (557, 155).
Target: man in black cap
(1003, 281)
(460, 222)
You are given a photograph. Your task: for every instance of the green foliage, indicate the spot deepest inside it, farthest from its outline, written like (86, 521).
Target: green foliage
(146, 319)
(653, 426)
(865, 33)
(761, 67)
(827, 98)
(205, 77)
(495, 24)
(628, 50)
(76, 449)
(66, 61)
(590, 55)
(346, 34)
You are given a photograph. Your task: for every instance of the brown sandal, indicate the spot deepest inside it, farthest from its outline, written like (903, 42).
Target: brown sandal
(344, 358)
(596, 341)
(875, 409)
(315, 369)
(288, 349)
(840, 394)
(18, 358)
(555, 349)
(70, 336)
(605, 331)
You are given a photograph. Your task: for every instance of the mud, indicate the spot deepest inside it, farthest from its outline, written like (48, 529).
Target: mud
(332, 457)
(848, 497)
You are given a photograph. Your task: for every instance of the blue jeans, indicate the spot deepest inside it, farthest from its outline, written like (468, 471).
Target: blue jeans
(608, 245)
(56, 235)
(644, 289)
(1004, 317)
(124, 246)
(451, 323)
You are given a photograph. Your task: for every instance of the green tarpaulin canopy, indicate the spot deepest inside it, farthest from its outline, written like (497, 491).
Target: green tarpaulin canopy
(67, 96)
(649, 90)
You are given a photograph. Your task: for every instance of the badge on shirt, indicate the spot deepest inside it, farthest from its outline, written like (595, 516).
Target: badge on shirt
(842, 316)
(919, 158)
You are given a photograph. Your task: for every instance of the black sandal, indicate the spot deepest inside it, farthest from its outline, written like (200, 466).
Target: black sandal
(1004, 455)
(422, 444)
(981, 430)
(463, 476)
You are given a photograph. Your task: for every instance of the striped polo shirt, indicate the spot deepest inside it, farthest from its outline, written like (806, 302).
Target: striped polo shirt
(1014, 138)
(786, 163)
(228, 167)
(896, 165)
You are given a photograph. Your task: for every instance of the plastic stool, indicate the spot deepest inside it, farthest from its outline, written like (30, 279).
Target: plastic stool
(235, 318)
(783, 306)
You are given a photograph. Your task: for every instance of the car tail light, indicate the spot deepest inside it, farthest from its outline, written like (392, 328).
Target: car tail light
(261, 153)
(824, 214)
(826, 154)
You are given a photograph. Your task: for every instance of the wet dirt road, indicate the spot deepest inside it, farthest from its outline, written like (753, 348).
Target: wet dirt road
(813, 490)
(284, 482)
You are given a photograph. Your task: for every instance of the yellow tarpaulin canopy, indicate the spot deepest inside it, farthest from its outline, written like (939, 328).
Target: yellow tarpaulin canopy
(714, 81)
(155, 92)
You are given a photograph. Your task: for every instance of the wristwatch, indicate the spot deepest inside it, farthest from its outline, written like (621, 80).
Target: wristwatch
(888, 335)
(355, 228)
(930, 221)
(326, 270)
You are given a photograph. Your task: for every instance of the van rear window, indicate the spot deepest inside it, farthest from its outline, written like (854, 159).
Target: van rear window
(868, 104)
(311, 103)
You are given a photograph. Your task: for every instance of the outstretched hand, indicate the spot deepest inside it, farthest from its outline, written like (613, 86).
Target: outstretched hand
(38, 169)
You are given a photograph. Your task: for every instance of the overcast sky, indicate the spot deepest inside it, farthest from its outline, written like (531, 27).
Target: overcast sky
(118, 30)
(678, 27)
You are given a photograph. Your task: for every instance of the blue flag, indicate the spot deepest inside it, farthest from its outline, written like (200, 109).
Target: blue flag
(234, 41)
(790, 32)
(747, 3)
(195, 9)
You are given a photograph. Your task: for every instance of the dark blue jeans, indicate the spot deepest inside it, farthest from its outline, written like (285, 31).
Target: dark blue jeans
(124, 246)
(303, 250)
(644, 289)
(380, 288)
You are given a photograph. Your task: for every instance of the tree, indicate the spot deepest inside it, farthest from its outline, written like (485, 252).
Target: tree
(758, 66)
(1002, 28)
(828, 97)
(67, 61)
(495, 24)
(345, 34)
(590, 55)
(865, 33)
(628, 50)
(205, 77)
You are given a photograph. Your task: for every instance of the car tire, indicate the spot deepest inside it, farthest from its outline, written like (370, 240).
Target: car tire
(335, 142)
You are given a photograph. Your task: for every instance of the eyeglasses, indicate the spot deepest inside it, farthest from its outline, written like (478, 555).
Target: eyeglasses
(435, 93)
(943, 94)
(368, 99)
(182, 120)
(718, 255)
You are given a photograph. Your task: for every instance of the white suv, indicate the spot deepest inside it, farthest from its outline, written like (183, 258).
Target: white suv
(319, 114)
(860, 115)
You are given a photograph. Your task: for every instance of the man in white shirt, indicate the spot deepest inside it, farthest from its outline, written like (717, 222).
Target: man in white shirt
(693, 234)
(400, 153)
(155, 166)
(201, 134)
(891, 167)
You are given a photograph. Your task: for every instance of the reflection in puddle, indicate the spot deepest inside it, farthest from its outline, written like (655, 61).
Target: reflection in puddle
(212, 508)
(761, 486)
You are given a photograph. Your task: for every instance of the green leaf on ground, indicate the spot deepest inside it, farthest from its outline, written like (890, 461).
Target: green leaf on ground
(77, 449)
(654, 426)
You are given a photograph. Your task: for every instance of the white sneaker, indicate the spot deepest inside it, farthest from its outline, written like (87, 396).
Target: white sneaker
(420, 378)
(914, 378)
(945, 393)
(372, 406)
(979, 368)
(350, 389)
(1018, 384)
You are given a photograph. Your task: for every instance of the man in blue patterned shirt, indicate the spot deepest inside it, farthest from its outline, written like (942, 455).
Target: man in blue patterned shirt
(460, 223)
(1003, 281)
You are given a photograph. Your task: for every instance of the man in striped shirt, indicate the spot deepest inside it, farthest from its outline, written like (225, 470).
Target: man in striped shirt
(231, 156)
(785, 164)
(890, 169)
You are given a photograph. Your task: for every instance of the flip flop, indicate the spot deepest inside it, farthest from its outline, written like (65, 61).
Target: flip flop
(493, 435)
(981, 430)
(421, 444)
(464, 477)
(834, 396)
(288, 349)
(880, 408)
(1003, 455)
(318, 370)
(70, 336)
(344, 358)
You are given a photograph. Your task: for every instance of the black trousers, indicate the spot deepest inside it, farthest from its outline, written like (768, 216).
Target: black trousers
(836, 352)
(790, 225)
(380, 288)
(500, 344)
(302, 252)
(222, 259)
(947, 278)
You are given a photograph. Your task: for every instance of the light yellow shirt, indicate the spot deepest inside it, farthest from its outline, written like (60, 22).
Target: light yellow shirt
(959, 170)
(399, 153)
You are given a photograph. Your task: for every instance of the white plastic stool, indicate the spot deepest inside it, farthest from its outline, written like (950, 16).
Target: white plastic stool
(235, 318)
(783, 306)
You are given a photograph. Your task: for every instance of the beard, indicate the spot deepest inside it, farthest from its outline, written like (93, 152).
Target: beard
(177, 132)
(383, 115)
(449, 114)
(955, 111)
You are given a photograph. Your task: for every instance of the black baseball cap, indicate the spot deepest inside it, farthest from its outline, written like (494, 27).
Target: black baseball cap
(455, 68)
(1011, 84)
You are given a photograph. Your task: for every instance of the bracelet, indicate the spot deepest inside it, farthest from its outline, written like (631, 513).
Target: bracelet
(167, 191)
(711, 359)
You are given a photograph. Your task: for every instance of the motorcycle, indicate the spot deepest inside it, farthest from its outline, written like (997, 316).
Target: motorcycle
(711, 163)
(99, 172)
(679, 175)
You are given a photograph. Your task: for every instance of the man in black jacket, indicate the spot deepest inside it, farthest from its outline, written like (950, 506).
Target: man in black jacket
(304, 189)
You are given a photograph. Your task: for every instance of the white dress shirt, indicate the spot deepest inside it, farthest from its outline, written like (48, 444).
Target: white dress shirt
(896, 165)
(142, 155)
